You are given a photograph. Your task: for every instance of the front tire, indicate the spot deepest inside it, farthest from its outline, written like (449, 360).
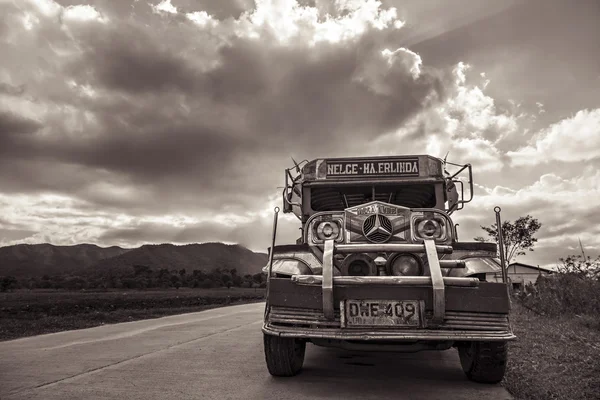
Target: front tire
(484, 362)
(284, 356)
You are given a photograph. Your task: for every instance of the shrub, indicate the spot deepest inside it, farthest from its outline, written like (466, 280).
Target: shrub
(582, 266)
(563, 293)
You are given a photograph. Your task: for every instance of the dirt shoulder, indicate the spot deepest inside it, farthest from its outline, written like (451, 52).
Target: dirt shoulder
(553, 357)
(27, 313)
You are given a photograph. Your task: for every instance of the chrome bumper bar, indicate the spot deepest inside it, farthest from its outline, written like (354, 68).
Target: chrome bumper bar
(317, 280)
(404, 334)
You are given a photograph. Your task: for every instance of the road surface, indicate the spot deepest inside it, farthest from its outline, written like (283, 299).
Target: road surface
(216, 354)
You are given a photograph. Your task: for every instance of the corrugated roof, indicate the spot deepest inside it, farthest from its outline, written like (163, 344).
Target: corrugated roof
(534, 267)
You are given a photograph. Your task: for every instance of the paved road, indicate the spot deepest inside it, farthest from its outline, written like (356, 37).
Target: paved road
(216, 354)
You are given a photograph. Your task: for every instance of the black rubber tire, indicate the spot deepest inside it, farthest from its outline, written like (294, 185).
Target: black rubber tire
(474, 246)
(483, 362)
(284, 356)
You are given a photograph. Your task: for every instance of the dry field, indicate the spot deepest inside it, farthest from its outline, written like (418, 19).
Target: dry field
(33, 312)
(554, 357)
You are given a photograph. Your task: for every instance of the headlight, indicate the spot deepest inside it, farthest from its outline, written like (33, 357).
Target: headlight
(429, 229)
(405, 265)
(325, 227)
(328, 230)
(359, 265)
(431, 225)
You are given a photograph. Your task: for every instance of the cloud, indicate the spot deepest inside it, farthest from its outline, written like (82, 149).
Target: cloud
(562, 205)
(165, 6)
(574, 139)
(83, 13)
(8, 89)
(166, 107)
(467, 125)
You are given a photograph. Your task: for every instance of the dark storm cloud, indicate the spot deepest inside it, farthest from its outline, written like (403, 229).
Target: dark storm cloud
(283, 92)
(6, 88)
(138, 65)
(166, 122)
(13, 124)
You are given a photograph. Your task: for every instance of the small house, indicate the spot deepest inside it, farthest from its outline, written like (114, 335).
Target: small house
(519, 274)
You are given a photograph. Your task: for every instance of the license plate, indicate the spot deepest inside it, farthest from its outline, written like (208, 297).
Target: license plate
(382, 313)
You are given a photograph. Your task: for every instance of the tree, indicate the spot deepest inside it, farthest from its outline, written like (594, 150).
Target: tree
(258, 278)
(518, 236)
(8, 283)
(141, 270)
(237, 280)
(582, 266)
(225, 278)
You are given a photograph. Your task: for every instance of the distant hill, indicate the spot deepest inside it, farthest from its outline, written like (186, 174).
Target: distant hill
(24, 260)
(205, 257)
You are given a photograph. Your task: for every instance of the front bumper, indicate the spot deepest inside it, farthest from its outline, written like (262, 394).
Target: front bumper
(458, 326)
(453, 308)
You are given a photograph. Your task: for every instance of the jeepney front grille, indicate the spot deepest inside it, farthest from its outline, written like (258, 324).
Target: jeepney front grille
(454, 320)
(302, 317)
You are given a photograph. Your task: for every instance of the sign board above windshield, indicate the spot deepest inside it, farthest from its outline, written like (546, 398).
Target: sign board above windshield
(395, 167)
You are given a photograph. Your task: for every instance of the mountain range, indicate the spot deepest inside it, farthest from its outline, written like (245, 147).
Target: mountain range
(36, 260)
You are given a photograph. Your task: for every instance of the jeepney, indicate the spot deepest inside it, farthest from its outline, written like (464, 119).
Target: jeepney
(379, 266)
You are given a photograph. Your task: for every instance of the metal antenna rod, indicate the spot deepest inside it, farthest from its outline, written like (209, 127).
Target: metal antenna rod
(273, 242)
(501, 243)
(271, 258)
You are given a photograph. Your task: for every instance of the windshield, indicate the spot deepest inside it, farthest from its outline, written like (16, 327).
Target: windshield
(337, 198)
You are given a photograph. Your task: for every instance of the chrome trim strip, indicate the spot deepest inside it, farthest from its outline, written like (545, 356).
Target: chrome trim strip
(327, 278)
(437, 280)
(317, 280)
(388, 247)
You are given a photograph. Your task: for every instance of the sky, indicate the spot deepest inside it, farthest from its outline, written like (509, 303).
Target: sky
(146, 121)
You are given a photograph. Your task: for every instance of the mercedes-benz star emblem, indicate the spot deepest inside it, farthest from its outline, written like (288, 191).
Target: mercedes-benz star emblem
(377, 228)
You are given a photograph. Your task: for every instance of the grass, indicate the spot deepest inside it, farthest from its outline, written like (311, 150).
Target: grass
(554, 357)
(26, 313)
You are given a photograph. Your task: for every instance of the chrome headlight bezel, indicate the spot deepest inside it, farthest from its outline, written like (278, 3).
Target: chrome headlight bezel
(317, 226)
(431, 224)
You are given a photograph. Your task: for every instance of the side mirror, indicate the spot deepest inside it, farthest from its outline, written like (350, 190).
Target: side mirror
(287, 205)
(452, 194)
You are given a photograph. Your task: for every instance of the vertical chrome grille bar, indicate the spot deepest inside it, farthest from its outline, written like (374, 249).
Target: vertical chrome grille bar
(327, 286)
(437, 280)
